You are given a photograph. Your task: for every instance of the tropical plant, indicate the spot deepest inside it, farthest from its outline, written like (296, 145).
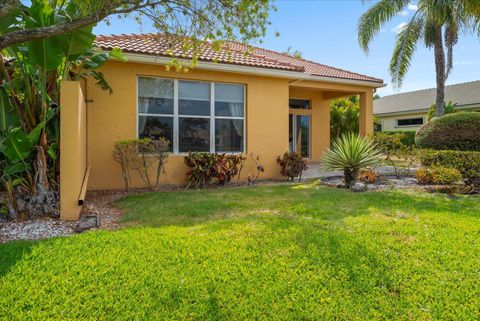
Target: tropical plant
(449, 108)
(344, 116)
(252, 177)
(29, 113)
(350, 153)
(292, 165)
(438, 23)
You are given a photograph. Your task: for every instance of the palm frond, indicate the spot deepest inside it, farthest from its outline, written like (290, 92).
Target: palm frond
(350, 151)
(405, 47)
(372, 21)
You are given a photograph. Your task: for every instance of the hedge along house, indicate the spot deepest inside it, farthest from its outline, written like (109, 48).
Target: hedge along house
(264, 103)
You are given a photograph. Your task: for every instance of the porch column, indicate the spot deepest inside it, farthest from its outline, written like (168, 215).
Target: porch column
(366, 113)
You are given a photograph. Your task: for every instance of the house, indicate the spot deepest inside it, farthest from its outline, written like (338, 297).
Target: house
(264, 103)
(409, 111)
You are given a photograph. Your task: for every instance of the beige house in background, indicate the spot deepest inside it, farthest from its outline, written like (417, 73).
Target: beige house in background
(409, 111)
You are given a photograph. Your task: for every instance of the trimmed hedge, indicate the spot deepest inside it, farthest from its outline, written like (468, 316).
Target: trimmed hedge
(466, 162)
(457, 131)
(407, 136)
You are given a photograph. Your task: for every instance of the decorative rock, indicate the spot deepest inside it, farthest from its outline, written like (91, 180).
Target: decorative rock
(87, 222)
(358, 187)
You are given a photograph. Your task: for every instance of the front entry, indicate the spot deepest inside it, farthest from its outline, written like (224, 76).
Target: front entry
(299, 134)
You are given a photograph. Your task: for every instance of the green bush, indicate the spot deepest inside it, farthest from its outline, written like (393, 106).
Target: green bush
(457, 131)
(438, 175)
(466, 162)
(407, 137)
(292, 165)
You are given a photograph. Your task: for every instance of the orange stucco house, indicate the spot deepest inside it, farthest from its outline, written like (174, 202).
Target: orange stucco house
(263, 103)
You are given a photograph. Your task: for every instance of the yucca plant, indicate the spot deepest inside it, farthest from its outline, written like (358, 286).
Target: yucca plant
(350, 153)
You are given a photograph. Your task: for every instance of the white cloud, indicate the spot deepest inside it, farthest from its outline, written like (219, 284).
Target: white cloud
(412, 7)
(399, 27)
(403, 13)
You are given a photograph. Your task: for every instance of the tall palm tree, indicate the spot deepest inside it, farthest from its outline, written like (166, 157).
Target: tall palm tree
(437, 22)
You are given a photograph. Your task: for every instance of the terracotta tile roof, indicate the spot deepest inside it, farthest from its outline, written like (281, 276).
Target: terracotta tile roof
(161, 45)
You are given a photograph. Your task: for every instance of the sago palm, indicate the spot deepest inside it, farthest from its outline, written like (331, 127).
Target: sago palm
(436, 22)
(350, 153)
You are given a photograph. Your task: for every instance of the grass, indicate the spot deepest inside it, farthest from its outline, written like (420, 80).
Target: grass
(280, 252)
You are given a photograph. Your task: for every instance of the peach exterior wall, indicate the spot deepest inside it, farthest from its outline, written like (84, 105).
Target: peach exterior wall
(73, 140)
(114, 117)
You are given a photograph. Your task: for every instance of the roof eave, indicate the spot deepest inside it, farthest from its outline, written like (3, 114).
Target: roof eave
(258, 71)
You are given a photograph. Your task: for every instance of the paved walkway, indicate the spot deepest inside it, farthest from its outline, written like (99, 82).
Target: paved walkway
(314, 171)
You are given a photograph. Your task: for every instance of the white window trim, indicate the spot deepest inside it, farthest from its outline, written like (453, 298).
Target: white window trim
(407, 126)
(212, 116)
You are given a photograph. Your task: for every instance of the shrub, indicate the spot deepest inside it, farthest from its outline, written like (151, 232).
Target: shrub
(205, 167)
(457, 131)
(395, 146)
(141, 155)
(252, 178)
(368, 176)
(407, 137)
(467, 163)
(351, 153)
(292, 165)
(438, 175)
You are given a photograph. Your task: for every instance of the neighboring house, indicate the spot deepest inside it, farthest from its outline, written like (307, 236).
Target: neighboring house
(409, 111)
(264, 103)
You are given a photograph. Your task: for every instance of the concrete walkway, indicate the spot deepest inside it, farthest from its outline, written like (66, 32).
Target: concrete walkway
(314, 171)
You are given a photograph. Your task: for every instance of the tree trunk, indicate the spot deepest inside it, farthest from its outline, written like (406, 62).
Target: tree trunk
(350, 176)
(440, 72)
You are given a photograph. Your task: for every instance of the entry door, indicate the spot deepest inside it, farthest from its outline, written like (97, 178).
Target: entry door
(299, 134)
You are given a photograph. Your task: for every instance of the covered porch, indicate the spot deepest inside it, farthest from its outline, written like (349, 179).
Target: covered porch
(309, 114)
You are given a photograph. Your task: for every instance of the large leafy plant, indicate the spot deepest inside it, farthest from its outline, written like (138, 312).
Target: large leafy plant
(29, 95)
(350, 153)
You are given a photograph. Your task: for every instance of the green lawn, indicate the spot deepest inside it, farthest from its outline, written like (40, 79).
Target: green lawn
(285, 252)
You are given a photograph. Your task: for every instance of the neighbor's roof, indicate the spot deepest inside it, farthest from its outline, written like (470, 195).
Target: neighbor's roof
(160, 45)
(463, 94)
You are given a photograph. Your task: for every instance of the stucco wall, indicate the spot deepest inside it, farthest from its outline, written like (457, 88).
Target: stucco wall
(73, 140)
(113, 117)
(389, 122)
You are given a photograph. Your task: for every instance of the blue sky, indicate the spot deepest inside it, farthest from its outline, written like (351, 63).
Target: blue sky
(325, 31)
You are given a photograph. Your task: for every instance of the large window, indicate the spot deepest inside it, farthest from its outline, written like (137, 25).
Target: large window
(405, 122)
(193, 116)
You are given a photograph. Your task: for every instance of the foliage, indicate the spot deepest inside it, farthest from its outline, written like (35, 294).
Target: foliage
(457, 131)
(350, 153)
(252, 177)
(436, 24)
(368, 176)
(407, 137)
(292, 165)
(466, 162)
(396, 146)
(141, 155)
(205, 167)
(344, 116)
(448, 109)
(275, 252)
(438, 175)
(214, 20)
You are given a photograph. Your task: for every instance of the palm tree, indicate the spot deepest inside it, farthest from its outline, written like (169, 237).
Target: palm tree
(437, 22)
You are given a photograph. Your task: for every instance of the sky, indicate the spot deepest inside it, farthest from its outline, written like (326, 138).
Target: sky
(325, 31)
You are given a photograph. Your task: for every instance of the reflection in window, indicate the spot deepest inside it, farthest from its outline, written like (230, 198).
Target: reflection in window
(194, 134)
(229, 135)
(155, 128)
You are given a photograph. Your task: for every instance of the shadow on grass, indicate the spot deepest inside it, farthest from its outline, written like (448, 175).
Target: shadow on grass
(13, 252)
(200, 206)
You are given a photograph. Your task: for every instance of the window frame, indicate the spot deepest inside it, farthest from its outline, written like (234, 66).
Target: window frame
(176, 116)
(405, 118)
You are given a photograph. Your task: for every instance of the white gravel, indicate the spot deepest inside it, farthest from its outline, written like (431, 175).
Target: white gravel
(35, 229)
